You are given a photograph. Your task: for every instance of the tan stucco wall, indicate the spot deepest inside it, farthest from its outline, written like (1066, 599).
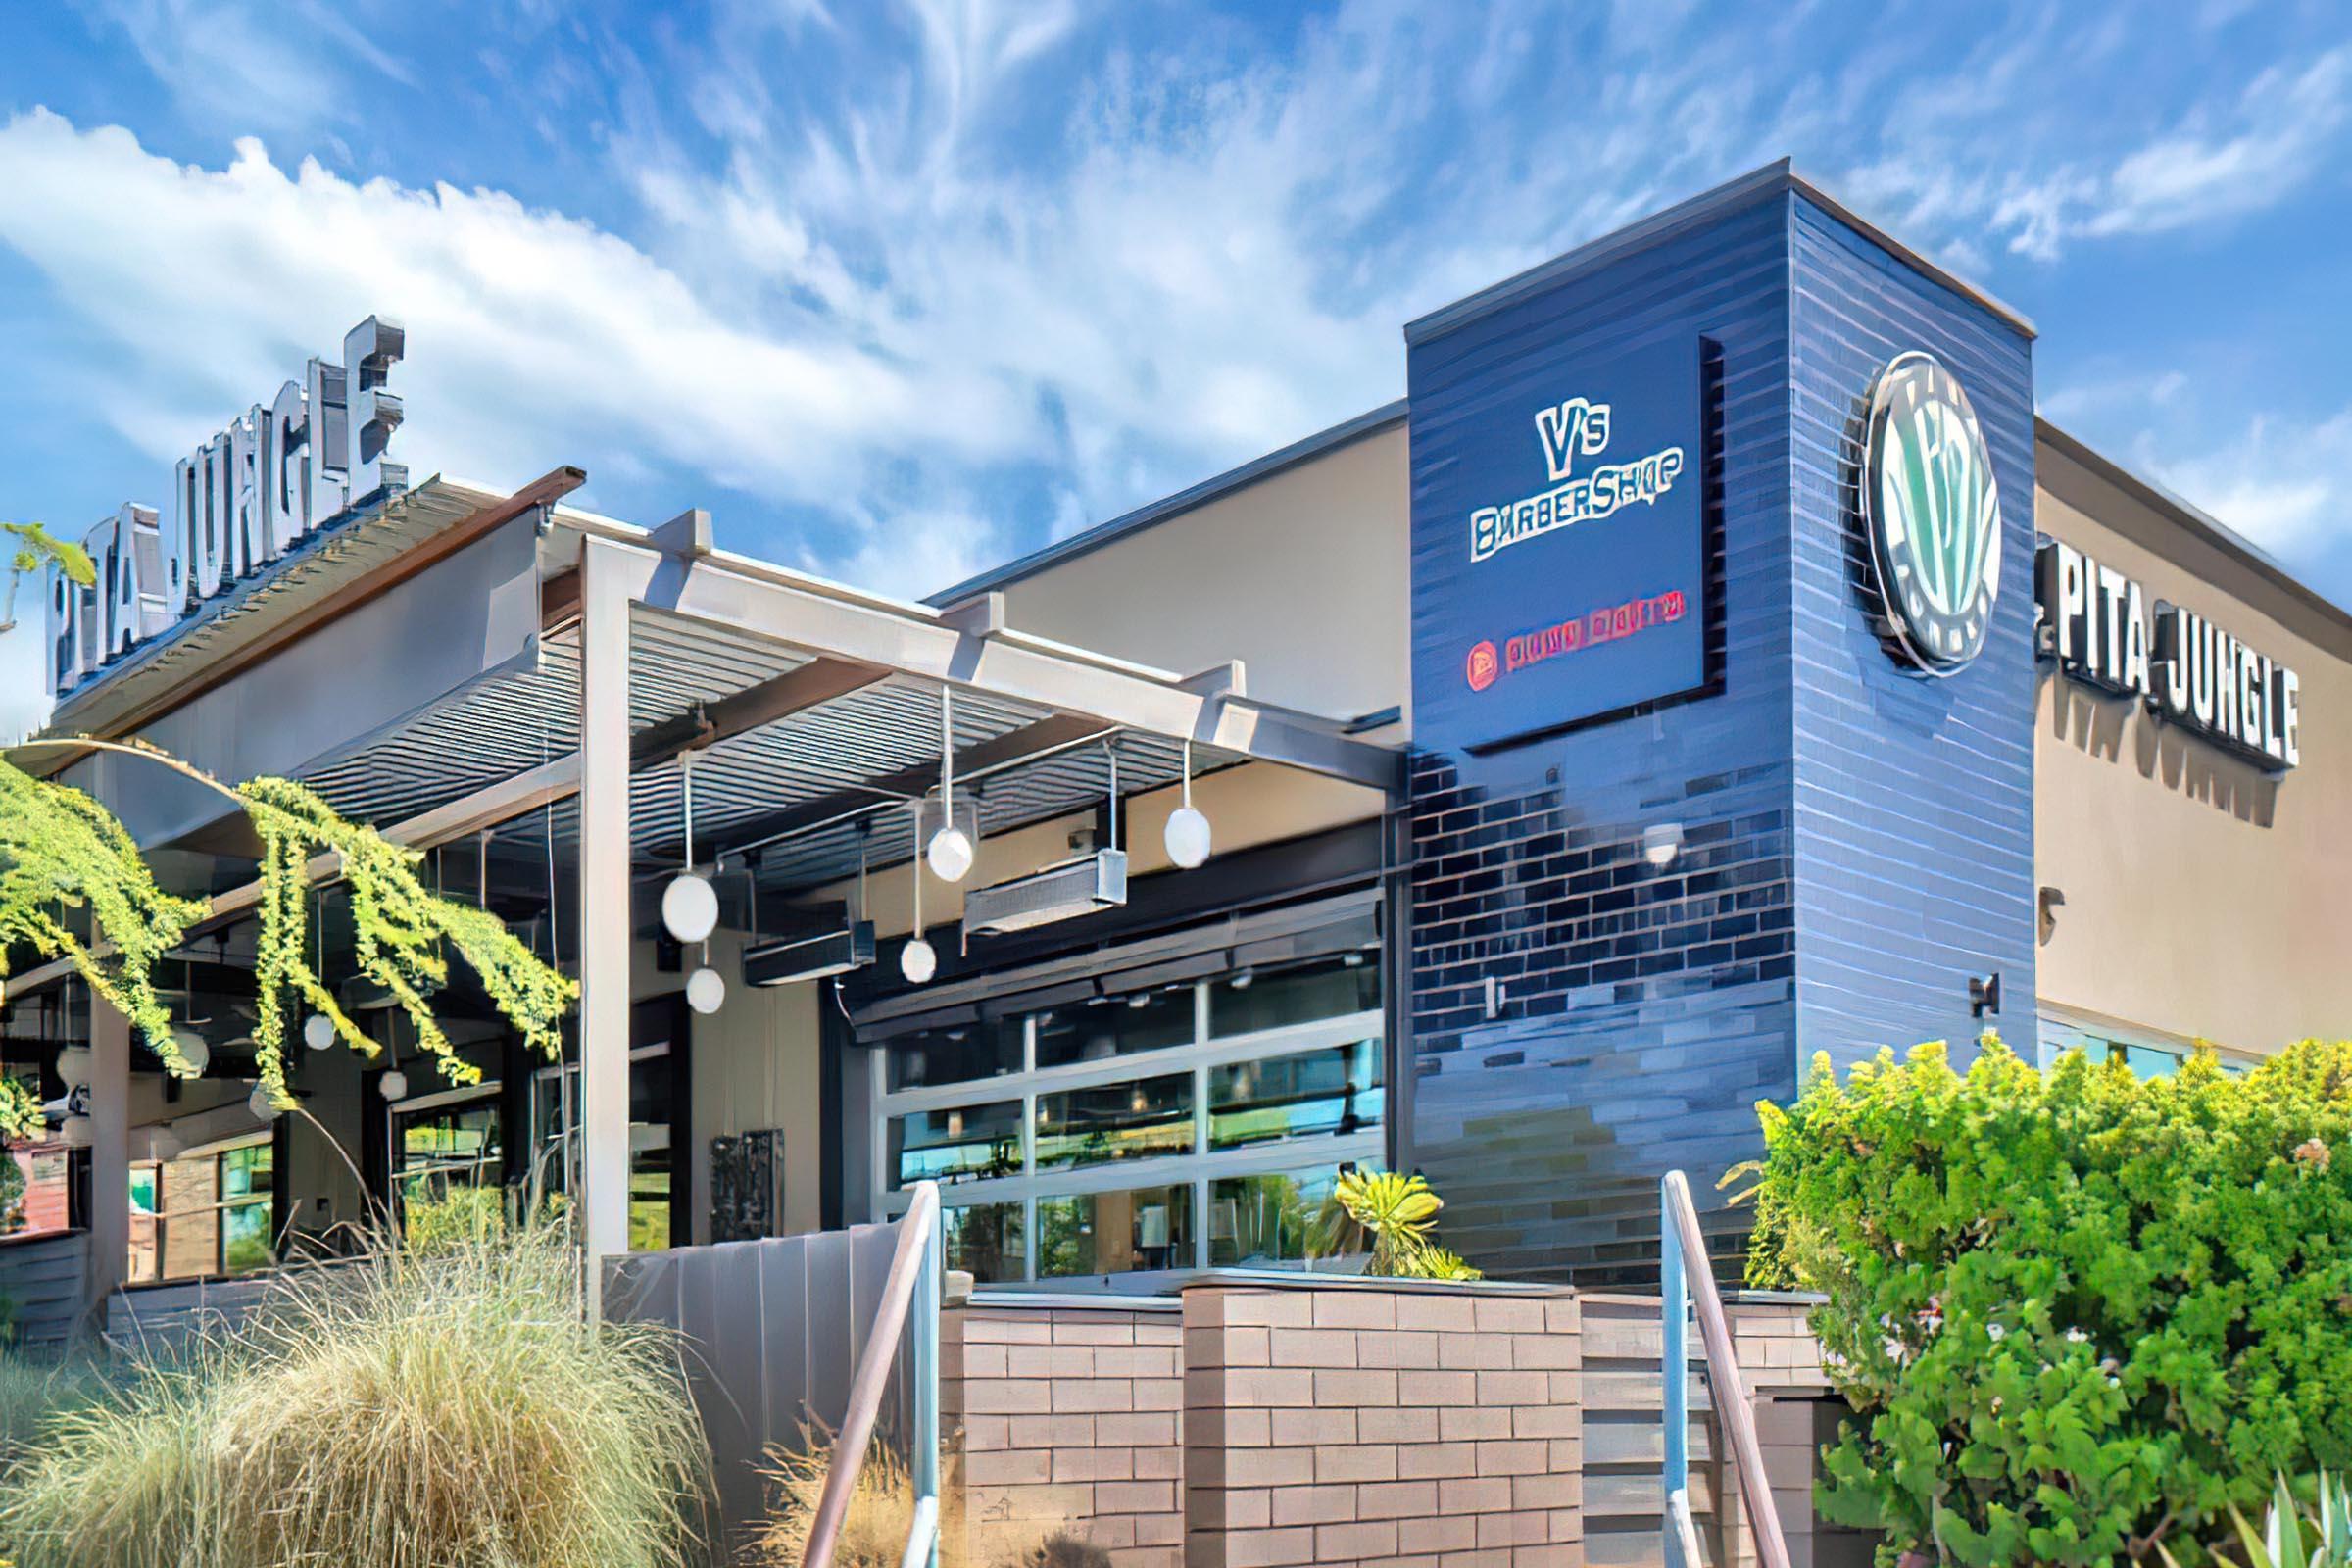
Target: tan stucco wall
(1302, 576)
(2204, 899)
(755, 1065)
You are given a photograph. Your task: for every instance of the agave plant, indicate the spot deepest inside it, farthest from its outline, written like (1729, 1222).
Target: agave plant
(2295, 1534)
(1393, 1217)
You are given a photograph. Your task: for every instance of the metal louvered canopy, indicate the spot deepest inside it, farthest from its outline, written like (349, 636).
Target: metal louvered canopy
(810, 716)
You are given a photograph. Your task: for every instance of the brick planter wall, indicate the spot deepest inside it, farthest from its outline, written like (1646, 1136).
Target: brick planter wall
(1382, 1424)
(1069, 1420)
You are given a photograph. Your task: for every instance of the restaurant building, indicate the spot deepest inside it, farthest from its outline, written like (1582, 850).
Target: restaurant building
(1711, 662)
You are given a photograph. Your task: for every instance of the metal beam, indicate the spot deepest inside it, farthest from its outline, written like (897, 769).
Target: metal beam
(1053, 734)
(608, 572)
(798, 688)
(770, 602)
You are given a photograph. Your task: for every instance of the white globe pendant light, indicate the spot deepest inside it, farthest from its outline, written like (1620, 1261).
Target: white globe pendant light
(690, 904)
(193, 1049)
(260, 1103)
(690, 909)
(916, 962)
(393, 1085)
(73, 1067)
(951, 850)
(318, 1031)
(706, 991)
(1187, 834)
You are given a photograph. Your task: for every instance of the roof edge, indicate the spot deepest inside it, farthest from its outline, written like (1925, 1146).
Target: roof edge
(1762, 184)
(1087, 540)
(2194, 518)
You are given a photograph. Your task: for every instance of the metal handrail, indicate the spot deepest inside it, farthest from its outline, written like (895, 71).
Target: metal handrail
(1687, 1279)
(913, 1284)
(1685, 1529)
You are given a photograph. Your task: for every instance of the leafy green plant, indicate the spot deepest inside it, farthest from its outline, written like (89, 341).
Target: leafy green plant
(408, 1413)
(32, 547)
(60, 850)
(1393, 1217)
(2297, 1534)
(2077, 1312)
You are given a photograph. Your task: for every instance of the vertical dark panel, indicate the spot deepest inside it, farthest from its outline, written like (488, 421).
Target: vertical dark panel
(1914, 794)
(1644, 1010)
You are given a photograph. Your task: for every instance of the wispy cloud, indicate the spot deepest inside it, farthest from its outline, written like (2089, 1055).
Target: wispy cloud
(2285, 484)
(251, 67)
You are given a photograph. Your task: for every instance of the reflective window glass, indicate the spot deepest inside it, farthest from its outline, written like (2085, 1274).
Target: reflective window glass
(1133, 1120)
(961, 1143)
(957, 1055)
(985, 1241)
(1098, 1031)
(1265, 1221)
(1114, 1233)
(1332, 1091)
(1275, 997)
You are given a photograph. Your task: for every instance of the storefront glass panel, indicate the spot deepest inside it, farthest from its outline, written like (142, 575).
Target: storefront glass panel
(1334, 1091)
(1122, 1026)
(959, 1055)
(1250, 1000)
(1108, 1122)
(1114, 1233)
(1265, 1221)
(961, 1143)
(987, 1240)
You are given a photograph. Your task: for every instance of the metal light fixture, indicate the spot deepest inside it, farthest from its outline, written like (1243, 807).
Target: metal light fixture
(319, 1030)
(1075, 887)
(917, 961)
(706, 991)
(690, 904)
(1187, 834)
(950, 849)
(260, 1103)
(393, 1085)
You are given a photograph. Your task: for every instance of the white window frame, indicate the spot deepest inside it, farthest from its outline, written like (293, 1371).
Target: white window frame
(1199, 1168)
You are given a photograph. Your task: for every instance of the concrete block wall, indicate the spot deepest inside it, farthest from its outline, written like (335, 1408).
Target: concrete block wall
(1067, 1413)
(1435, 1428)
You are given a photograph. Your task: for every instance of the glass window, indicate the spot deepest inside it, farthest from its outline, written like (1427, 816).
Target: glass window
(1098, 1031)
(554, 1158)
(245, 1209)
(962, 1143)
(1114, 1233)
(986, 1241)
(1273, 998)
(957, 1055)
(1132, 1120)
(1263, 1221)
(1333, 1091)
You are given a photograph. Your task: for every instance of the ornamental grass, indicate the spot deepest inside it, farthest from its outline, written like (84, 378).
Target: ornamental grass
(447, 1411)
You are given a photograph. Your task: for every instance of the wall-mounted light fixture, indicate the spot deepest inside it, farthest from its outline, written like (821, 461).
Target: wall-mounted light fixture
(1984, 994)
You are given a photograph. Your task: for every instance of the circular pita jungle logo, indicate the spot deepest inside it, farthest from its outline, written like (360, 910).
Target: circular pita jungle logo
(1485, 665)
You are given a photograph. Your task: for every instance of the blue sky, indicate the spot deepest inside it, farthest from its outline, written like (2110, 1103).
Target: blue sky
(899, 288)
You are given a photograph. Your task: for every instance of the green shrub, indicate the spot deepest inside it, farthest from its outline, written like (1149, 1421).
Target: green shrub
(1394, 1219)
(427, 1412)
(2078, 1315)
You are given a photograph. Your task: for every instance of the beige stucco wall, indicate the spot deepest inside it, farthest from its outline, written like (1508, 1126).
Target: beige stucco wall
(1302, 576)
(755, 1065)
(2204, 899)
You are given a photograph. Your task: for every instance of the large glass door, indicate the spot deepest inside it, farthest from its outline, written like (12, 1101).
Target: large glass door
(657, 1182)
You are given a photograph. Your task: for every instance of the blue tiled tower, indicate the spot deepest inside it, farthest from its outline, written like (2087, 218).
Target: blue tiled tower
(1855, 834)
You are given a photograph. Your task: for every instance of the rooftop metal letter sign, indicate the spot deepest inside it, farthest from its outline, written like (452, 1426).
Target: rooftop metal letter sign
(278, 475)
(1932, 511)
(2097, 623)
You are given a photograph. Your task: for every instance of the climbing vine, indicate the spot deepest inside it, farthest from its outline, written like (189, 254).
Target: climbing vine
(61, 850)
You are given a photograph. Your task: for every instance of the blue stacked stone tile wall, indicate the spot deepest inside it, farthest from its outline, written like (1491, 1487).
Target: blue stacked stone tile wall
(1641, 1012)
(1914, 824)
(1856, 838)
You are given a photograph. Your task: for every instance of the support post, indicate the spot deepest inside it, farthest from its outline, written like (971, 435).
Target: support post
(606, 582)
(109, 1155)
(1674, 1369)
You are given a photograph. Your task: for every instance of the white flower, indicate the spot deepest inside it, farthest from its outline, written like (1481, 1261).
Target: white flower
(2076, 1337)
(1995, 1330)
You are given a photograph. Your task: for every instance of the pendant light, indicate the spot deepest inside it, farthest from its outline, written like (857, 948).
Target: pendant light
(690, 904)
(951, 850)
(260, 1103)
(319, 1030)
(706, 989)
(916, 959)
(192, 1047)
(1187, 834)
